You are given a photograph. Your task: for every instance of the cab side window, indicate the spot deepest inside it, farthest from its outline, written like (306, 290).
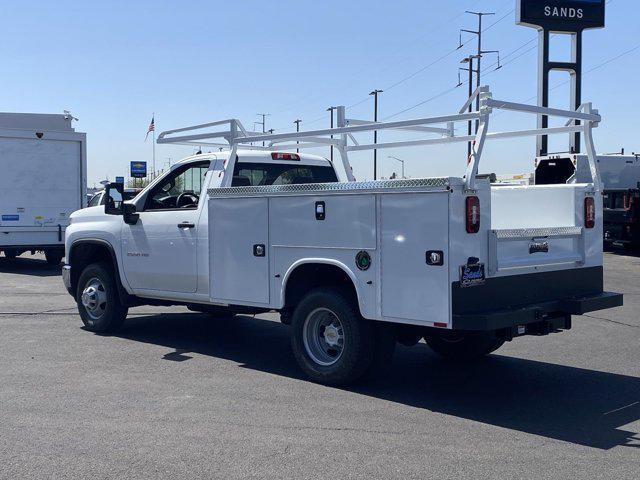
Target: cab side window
(179, 190)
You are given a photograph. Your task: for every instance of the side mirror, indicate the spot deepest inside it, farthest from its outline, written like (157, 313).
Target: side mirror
(129, 213)
(114, 205)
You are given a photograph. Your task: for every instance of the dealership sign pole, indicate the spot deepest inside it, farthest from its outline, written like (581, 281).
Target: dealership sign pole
(567, 17)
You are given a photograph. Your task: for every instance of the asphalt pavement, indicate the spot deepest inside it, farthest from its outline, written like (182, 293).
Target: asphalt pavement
(177, 394)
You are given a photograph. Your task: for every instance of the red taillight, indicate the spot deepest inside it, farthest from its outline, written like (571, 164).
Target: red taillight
(284, 156)
(589, 212)
(473, 214)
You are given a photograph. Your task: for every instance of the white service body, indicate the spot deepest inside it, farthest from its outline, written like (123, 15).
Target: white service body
(42, 181)
(396, 222)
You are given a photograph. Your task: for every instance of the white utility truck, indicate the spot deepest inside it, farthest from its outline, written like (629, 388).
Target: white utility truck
(43, 181)
(352, 266)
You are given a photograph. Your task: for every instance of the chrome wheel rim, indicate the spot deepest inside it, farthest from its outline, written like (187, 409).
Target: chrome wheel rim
(323, 336)
(94, 298)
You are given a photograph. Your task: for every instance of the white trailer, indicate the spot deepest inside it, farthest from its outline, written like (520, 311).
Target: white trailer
(43, 180)
(351, 266)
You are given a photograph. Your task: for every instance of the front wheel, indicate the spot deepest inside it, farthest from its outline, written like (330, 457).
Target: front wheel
(98, 301)
(332, 343)
(464, 347)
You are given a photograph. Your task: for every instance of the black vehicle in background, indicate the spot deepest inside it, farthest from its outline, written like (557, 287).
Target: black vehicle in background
(622, 217)
(620, 175)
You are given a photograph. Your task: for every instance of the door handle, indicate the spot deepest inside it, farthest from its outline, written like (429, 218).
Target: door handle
(186, 225)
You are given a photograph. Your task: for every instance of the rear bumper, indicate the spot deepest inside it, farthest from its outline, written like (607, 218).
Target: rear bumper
(538, 298)
(536, 313)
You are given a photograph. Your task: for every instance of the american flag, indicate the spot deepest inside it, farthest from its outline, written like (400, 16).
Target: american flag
(152, 127)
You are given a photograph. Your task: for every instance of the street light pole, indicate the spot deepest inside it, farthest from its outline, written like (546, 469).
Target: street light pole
(330, 110)
(375, 132)
(399, 160)
(297, 122)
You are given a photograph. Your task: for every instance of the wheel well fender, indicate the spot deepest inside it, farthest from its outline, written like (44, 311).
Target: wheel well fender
(88, 251)
(306, 274)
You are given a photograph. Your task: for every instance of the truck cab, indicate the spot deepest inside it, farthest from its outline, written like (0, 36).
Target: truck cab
(164, 254)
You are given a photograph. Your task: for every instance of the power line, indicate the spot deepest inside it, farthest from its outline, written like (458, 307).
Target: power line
(500, 19)
(422, 69)
(429, 33)
(449, 90)
(592, 69)
(429, 65)
(441, 94)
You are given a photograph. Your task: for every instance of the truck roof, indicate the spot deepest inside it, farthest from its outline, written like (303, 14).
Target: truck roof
(37, 121)
(256, 156)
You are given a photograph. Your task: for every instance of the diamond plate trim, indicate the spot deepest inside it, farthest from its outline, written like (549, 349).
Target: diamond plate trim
(441, 182)
(538, 232)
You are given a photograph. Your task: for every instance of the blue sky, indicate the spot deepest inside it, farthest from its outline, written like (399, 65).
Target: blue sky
(114, 63)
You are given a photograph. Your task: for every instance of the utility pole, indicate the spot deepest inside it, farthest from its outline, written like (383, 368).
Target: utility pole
(469, 61)
(263, 123)
(480, 52)
(297, 122)
(330, 110)
(375, 132)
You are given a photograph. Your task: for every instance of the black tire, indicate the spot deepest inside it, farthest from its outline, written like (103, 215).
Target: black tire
(11, 253)
(54, 256)
(464, 347)
(109, 313)
(364, 343)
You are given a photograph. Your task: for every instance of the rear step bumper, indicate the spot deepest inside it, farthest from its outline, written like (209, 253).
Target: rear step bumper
(536, 313)
(516, 300)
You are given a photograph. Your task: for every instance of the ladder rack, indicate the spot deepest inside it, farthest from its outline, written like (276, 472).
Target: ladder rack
(235, 136)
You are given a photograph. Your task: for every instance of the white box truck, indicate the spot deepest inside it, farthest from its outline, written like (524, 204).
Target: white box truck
(352, 266)
(43, 180)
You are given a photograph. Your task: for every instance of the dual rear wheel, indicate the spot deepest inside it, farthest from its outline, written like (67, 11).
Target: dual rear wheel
(332, 343)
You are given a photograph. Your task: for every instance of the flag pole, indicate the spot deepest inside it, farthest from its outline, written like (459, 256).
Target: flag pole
(154, 145)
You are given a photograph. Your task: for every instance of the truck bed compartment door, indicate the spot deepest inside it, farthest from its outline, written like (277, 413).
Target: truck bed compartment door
(412, 225)
(526, 248)
(239, 250)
